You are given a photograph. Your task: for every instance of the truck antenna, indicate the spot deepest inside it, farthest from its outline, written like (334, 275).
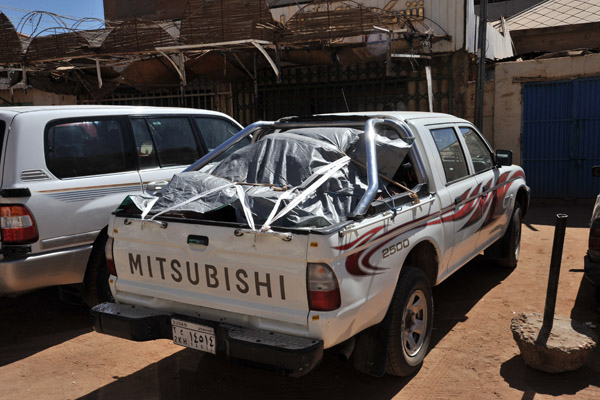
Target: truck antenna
(345, 101)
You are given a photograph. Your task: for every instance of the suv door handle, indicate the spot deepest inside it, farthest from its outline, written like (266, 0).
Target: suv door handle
(156, 186)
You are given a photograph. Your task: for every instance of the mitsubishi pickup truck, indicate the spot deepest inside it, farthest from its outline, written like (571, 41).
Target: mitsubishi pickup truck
(326, 232)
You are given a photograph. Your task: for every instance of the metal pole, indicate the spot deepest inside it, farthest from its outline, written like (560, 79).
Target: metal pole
(557, 250)
(429, 87)
(256, 108)
(479, 88)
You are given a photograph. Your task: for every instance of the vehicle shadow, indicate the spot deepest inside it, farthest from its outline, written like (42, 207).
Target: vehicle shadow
(191, 374)
(531, 382)
(36, 321)
(543, 212)
(458, 294)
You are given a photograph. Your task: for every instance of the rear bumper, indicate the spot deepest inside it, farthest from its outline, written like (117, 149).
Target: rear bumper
(592, 271)
(291, 355)
(37, 271)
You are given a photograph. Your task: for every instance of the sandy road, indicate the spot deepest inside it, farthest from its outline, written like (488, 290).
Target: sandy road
(48, 350)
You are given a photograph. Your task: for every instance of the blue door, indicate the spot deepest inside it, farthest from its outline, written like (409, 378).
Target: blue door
(561, 137)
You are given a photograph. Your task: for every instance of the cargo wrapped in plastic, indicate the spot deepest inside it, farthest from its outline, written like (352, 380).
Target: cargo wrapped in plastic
(309, 177)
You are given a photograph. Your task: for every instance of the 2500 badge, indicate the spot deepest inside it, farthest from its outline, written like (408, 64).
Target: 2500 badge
(395, 248)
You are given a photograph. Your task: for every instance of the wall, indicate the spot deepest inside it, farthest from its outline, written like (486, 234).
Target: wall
(507, 97)
(116, 10)
(558, 38)
(35, 97)
(488, 109)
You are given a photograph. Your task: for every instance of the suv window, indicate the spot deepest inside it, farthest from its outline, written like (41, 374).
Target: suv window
(87, 147)
(2, 128)
(164, 141)
(453, 159)
(146, 150)
(217, 130)
(480, 154)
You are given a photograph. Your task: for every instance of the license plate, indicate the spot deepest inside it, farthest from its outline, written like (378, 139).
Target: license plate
(194, 336)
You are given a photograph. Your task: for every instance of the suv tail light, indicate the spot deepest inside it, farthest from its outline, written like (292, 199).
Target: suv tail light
(323, 289)
(110, 262)
(17, 225)
(594, 242)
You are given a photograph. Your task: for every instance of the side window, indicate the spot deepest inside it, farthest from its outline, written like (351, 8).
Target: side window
(453, 158)
(146, 151)
(480, 154)
(2, 129)
(173, 137)
(89, 147)
(217, 130)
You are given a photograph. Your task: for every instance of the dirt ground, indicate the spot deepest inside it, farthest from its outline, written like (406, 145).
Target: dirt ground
(48, 350)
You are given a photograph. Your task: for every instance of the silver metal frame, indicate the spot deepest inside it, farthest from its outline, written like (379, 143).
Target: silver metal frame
(220, 149)
(370, 128)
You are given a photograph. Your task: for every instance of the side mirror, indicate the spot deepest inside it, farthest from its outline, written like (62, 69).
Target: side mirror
(504, 157)
(596, 171)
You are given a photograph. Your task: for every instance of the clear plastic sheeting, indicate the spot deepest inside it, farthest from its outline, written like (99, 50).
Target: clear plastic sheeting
(311, 163)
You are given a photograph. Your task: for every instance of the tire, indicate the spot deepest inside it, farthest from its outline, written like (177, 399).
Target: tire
(411, 313)
(95, 283)
(510, 243)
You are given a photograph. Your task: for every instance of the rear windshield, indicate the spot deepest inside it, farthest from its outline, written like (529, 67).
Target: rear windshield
(87, 147)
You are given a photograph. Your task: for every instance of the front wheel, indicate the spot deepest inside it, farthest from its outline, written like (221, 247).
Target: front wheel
(510, 244)
(412, 317)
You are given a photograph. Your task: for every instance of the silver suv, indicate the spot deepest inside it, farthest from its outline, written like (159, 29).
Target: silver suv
(65, 168)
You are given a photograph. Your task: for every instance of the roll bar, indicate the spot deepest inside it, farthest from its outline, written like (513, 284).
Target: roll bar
(370, 128)
(235, 139)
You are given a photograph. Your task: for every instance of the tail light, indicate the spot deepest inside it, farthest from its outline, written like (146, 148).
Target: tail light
(110, 261)
(323, 289)
(17, 225)
(594, 242)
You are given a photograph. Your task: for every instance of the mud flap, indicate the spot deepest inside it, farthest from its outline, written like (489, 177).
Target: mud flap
(370, 353)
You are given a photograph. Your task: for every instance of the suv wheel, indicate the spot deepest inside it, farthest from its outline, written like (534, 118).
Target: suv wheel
(95, 283)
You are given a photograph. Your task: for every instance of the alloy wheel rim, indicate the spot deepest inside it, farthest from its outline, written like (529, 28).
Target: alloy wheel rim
(414, 323)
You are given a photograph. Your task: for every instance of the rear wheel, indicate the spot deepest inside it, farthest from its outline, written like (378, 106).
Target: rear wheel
(412, 317)
(95, 284)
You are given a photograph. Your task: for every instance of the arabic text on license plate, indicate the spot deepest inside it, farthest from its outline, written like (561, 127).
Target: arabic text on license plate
(194, 336)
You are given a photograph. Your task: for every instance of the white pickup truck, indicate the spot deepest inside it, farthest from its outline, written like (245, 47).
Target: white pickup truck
(325, 231)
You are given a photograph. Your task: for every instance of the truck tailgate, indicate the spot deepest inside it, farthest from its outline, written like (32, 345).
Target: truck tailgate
(209, 266)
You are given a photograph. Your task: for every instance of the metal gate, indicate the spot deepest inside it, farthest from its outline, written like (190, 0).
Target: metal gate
(205, 94)
(338, 88)
(561, 137)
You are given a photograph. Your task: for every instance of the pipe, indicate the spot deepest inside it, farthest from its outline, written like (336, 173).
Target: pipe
(372, 175)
